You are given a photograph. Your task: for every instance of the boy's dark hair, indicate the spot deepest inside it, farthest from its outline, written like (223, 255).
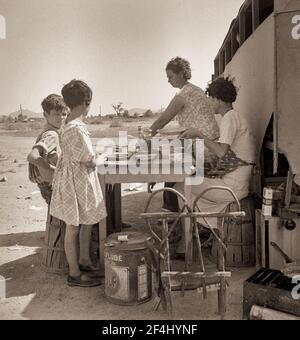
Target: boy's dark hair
(76, 93)
(178, 65)
(223, 89)
(53, 102)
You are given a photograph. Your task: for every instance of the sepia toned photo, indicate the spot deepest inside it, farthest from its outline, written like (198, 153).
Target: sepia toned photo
(149, 162)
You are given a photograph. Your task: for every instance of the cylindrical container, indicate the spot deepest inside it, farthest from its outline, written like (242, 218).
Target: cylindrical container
(128, 273)
(54, 257)
(239, 236)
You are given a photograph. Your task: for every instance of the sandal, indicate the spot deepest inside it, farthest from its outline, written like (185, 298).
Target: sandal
(83, 280)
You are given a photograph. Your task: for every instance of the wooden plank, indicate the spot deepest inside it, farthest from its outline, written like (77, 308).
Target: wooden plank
(194, 214)
(288, 189)
(187, 222)
(263, 241)
(197, 274)
(258, 240)
(143, 178)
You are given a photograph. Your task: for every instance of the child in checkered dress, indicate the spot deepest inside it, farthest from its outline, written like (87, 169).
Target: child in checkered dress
(77, 197)
(45, 152)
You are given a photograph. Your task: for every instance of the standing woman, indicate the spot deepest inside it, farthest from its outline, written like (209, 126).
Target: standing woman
(190, 105)
(192, 108)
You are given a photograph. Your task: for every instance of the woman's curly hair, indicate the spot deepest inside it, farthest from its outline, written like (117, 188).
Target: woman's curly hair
(223, 89)
(178, 65)
(76, 93)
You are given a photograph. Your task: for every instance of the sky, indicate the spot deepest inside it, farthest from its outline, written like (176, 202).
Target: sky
(119, 47)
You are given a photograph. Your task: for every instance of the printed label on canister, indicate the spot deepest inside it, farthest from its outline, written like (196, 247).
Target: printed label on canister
(267, 210)
(117, 282)
(142, 282)
(268, 193)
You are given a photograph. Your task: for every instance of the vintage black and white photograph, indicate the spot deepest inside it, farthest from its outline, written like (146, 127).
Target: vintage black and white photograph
(149, 161)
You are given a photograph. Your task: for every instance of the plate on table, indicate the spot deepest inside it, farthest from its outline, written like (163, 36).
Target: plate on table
(144, 157)
(117, 156)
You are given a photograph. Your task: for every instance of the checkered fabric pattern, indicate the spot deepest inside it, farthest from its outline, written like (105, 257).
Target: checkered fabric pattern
(197, 111)
(77, 197)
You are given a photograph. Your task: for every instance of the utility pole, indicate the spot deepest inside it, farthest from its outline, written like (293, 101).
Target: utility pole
(100, 110)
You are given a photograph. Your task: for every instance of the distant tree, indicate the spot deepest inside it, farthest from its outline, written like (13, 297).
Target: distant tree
(148, 114)
(136, 115)
(126, 114)
(109, 117)
(118, 109)
(20, 117)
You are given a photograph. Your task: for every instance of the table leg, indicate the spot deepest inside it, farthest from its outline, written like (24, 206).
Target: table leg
(113, 206)
(102, 238)
(117, 207)
(187, 221)
(102, 225)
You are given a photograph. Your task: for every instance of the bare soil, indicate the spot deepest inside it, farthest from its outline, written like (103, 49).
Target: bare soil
(33, 294)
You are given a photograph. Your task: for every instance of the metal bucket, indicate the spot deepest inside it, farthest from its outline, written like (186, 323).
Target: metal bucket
(128, 274)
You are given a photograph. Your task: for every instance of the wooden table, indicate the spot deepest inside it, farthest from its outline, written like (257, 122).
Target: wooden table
(139, 178)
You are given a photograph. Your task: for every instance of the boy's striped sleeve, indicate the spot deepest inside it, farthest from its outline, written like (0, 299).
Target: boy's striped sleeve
(48, 142)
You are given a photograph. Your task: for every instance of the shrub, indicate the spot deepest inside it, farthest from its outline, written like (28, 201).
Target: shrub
(116, 123)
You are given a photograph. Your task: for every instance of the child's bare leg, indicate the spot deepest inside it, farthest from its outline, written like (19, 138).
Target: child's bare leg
(71, 249)
(85, 243)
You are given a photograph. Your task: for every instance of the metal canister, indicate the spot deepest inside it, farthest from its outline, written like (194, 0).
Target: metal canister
(128, 268)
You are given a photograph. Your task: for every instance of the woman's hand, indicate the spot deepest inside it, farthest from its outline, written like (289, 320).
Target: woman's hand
(191, 133)
(91, 164)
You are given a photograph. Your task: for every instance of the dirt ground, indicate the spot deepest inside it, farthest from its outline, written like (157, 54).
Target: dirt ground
(33, 294)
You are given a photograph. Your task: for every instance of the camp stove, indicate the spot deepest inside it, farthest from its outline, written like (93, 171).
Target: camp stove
(270, 288)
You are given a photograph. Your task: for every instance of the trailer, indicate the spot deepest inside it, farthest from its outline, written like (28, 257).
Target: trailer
(261, 53)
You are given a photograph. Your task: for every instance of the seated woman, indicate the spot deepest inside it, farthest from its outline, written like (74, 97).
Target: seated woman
(235, 149)
(192, 108)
